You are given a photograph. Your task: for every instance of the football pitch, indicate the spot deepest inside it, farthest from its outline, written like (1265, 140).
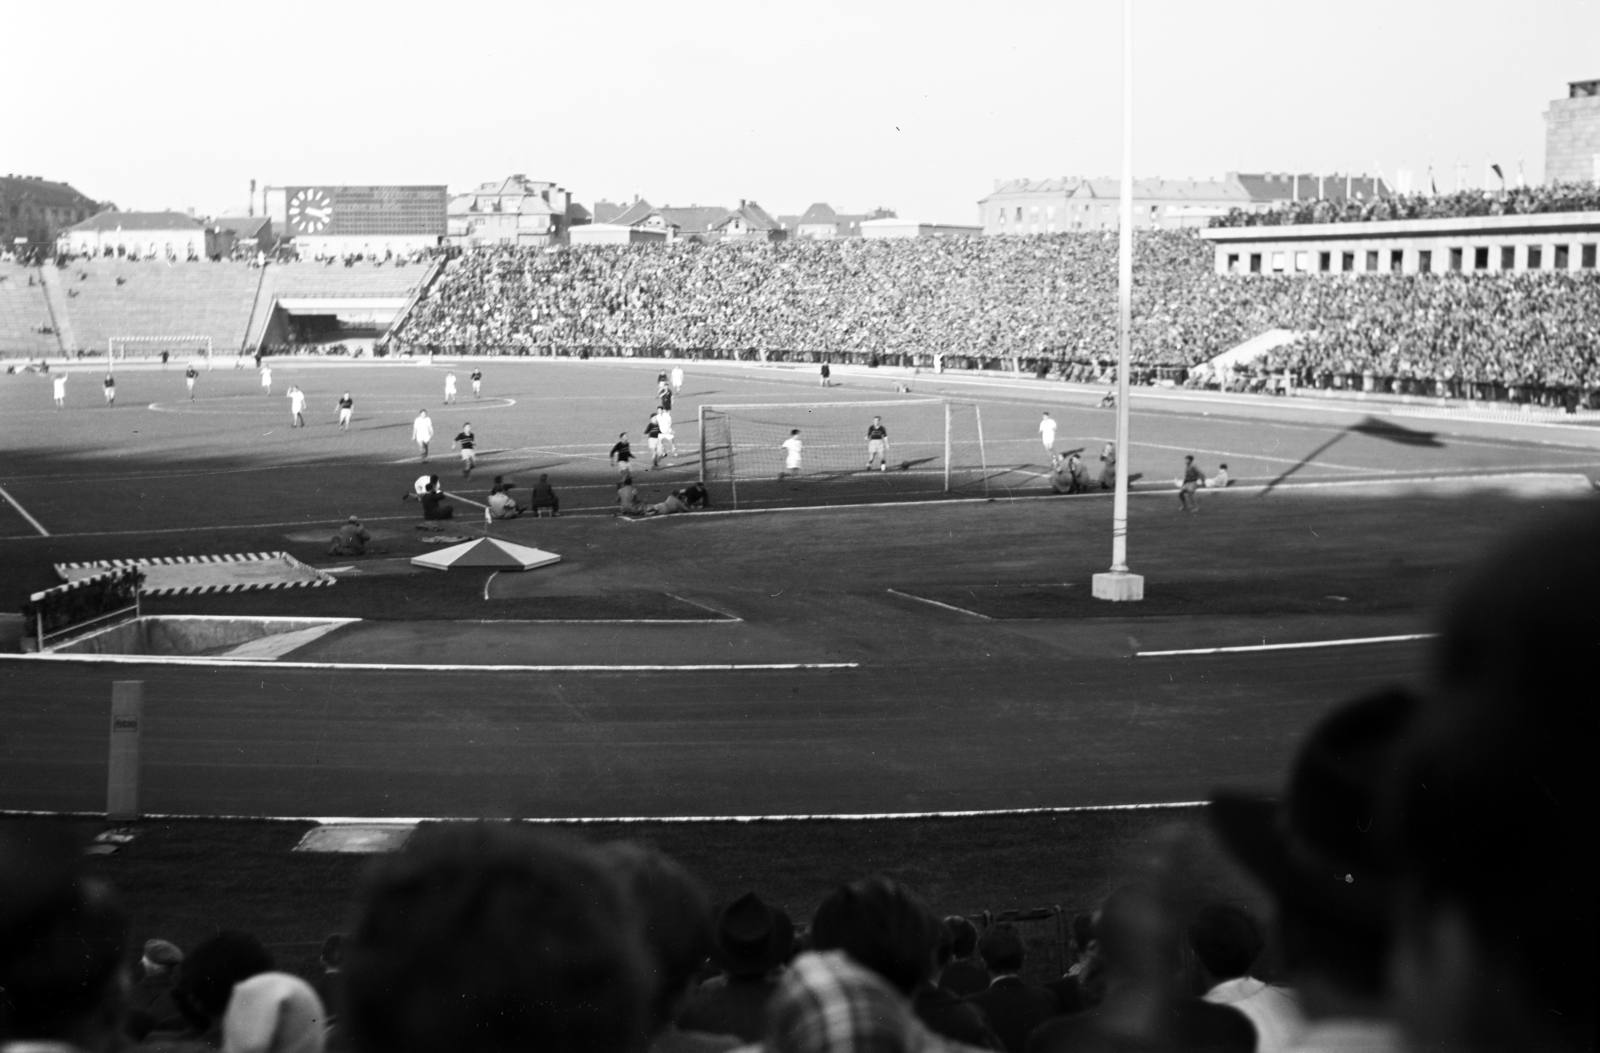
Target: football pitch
(843, 643)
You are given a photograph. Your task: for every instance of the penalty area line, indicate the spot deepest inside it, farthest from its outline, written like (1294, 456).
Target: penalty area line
(23, 512)
(1354, 641)
(936, 603)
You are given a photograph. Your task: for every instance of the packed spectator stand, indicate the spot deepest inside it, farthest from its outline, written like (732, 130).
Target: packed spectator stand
(1042, 304)
(1517, 201)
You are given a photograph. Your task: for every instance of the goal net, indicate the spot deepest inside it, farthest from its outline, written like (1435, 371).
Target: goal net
(932, 447)
(118, 347)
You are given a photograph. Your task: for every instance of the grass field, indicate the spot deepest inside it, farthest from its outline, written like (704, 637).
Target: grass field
(971, 670)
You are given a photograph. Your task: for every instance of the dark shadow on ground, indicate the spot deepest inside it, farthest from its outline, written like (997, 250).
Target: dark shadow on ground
(1388, 430)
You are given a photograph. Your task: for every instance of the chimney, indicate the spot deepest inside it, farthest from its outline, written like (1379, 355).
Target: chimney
(741, 203)
(252, 208)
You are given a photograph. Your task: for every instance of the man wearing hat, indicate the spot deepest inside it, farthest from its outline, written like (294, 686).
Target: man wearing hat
(750, 940)
(351, 540)
(150, 1004)
(1321, 852)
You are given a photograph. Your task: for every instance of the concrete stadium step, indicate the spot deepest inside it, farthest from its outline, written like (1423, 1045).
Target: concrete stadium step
(22, 309)
(156, 298)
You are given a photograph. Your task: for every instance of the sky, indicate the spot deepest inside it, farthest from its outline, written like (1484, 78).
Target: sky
(919, 107)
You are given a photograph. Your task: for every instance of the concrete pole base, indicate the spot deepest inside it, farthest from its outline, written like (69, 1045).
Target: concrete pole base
(1118, 586)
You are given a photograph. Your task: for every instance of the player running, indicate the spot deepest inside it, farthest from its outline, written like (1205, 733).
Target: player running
(266, 379)
(622, 456)
(1191, 482)
(878, 445)
(477, 382)
(347, 407)
(677, 379)
(467, 442)
(792, 447)
(297, 407)
(190, 375)
(422, 433)
(669, 444)
(1047, 434)
(652, 437)
(449, 388)
(59, 384)
(109, 384)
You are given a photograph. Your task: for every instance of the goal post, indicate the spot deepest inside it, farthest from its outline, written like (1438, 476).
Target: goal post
(934, 447)
(117, 346)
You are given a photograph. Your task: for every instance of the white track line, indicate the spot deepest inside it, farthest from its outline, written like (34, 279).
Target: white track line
(936, 603)
(23, 512)
(136, 659)
(1288, 646)
(846, 817)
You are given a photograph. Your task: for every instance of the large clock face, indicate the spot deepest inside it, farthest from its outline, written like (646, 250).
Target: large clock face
(310, 211)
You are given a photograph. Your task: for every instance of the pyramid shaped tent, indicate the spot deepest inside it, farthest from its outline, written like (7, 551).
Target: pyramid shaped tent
(487, 552)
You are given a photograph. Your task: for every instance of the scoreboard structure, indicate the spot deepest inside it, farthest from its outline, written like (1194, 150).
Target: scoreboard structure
(339, 220)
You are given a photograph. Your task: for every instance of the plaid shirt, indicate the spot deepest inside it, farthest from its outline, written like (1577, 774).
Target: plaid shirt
(827, 1003)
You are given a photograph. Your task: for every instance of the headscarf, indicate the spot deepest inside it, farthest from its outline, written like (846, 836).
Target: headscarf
(274, 1013)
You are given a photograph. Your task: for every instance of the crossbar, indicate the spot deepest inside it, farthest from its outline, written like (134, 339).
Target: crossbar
(825, 405)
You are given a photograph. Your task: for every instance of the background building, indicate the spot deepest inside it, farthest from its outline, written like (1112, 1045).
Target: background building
(514, 211)
(1052, 206)
(699, 223)
(1545, 241)
(142, 235)
(1572, 135)
(821, 222)
(893, 227)
(33, 211)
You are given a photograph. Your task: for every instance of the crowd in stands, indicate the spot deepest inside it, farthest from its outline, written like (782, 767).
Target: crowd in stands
(1430, 861)
(1044, 304)
(1517, 201)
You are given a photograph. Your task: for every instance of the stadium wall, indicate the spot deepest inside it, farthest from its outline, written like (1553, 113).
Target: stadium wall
(1475, 244)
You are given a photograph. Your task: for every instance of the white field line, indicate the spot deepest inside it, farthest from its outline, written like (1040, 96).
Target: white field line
(936, 603)
(196, 408)
(1353, 642)
(845, 817)
(722, 667)
(23, 512)
(707, 607)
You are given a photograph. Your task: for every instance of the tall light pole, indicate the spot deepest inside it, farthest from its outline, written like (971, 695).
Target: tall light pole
(1118, 583)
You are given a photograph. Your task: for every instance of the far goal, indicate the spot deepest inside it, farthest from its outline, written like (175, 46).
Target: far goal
(117, 347)
(934, 447)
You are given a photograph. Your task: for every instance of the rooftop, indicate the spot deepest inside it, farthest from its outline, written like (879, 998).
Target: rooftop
(139, 221)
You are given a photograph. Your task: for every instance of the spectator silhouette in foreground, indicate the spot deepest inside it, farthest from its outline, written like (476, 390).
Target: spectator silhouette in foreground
(482, 937)
(966, 974)
(1319, 853)
(1141, 1008)
(1073, 991)
(150, 1004)
(61, 948)
(675, 918)
(1014, 1006)
(206, 981)
(829, 1003)
(750, 941)
(1495, 828)
(880, 924)
(1226, 943)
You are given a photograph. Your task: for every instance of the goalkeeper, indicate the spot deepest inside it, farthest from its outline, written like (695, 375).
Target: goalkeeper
(878, 445)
